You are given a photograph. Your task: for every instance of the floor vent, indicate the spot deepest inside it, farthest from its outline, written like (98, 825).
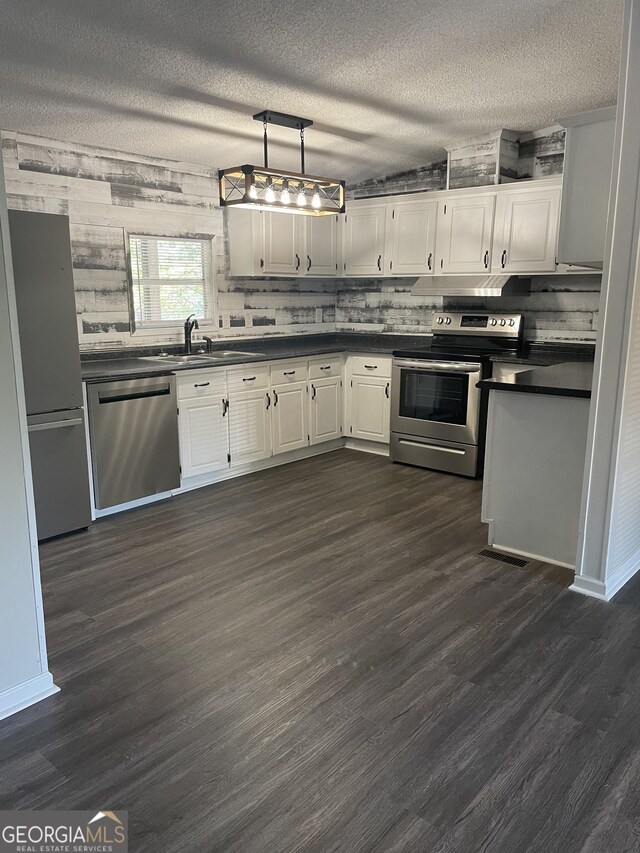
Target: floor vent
(503, 558)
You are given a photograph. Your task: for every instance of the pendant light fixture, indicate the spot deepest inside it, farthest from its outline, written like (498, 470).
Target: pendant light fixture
(263, 188)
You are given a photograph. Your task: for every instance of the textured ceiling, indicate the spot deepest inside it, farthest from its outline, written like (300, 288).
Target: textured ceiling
(388, 83)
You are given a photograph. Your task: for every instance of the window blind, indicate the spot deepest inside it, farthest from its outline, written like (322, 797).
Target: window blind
(170, 279)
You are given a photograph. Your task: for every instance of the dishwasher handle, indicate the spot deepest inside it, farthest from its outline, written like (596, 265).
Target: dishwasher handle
(122, 396)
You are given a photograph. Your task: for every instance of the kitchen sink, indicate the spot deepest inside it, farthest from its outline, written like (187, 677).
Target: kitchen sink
(200, 358)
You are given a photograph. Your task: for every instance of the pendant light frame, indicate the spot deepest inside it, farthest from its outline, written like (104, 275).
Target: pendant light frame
(246, 186)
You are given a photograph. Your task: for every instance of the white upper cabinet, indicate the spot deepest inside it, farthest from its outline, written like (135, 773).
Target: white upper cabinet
(281, 244)
(413, 237)
(365, 239)
(321, 245)
(465, 232)
(586, 181)
(526, 230)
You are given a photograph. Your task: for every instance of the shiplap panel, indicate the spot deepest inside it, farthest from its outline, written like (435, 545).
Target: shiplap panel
(128, 195)
(625, 518)
(56, 186)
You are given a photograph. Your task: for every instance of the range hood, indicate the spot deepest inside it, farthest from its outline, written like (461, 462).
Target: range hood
(471, 285)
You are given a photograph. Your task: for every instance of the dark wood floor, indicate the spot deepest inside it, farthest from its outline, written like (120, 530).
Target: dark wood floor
(313, 658)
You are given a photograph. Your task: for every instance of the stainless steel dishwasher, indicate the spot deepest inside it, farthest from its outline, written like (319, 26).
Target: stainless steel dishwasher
(133, 426)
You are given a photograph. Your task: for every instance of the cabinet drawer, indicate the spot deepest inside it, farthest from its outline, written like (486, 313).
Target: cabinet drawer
(370, 365)
(248, 377)
(291, 371)
(330, 366)
(201, 383)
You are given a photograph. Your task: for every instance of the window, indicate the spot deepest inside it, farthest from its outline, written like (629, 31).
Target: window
(170, 279)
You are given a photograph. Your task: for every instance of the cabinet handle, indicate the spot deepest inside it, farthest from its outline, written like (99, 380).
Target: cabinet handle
(386, 391)
(371, 366)
(248, 378)
(328, 367)
(486, 260)
(308, 263)
(297, 262)
(268, 399)
(429, 260)
(288, 373)
(201, 384)
(313, 396)
(379, 263)
(275, 398)
(504, 258)
(225, 407)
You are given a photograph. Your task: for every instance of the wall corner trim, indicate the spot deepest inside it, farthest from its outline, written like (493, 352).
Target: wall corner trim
(28, 693)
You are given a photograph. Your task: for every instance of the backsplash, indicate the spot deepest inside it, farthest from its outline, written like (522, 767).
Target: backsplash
(558, 308)
(107, 193)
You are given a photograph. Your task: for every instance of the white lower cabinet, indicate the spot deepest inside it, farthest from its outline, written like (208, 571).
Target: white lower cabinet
(289, 416)
(325, 399)
(370, 408)
(249, 426)
(204, 436)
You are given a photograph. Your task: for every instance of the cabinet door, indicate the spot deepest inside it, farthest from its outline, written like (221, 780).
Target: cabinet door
(370, 410)
(289, 415)
(249, 426)
(413, 229)
(364, 242)
(526, 230)
(326, 409)
(281, 251)
(321, 246)
(465, 231)
(204, 435)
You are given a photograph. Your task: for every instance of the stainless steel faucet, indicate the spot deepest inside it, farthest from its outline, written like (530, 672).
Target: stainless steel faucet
(190, 324)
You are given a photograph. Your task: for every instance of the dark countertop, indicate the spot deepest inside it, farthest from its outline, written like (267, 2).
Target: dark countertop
(569, 379)
(98, 367)
(131, 362)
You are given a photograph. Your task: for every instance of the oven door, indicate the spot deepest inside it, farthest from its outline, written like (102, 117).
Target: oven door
(436, 399)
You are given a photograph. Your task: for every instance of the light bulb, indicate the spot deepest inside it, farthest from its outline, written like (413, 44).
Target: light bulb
(315, 201)
(301, 198)
(285, 195)
(269, 195)
(253, 192)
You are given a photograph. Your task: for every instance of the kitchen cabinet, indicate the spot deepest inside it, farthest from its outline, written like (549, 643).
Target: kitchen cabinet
(289, 416)
(279, 244)
(465, 233)
(281, 253)
(370, 409)
(413, 237)
(325, 401)
(204, 436)
(203, 427)
(365, 225)
(320, 250)
(249, 425)
(526, 229)
(586, 182)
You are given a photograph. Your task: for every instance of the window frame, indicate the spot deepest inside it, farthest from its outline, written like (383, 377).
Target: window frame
(152, 327)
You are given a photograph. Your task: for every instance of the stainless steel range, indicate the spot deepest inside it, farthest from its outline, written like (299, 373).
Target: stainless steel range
(438, 415)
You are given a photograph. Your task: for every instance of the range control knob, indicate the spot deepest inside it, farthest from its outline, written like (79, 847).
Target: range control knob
(440, 321)
(512, 322)
(493, 321)
(448, 320)
(503, 322)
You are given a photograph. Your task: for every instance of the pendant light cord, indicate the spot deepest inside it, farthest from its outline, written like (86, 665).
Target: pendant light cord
(266, 146)
(302, 150)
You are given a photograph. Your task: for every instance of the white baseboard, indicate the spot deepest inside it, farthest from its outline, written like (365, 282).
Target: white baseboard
(28, 693)
(527, 555)
(606, 589)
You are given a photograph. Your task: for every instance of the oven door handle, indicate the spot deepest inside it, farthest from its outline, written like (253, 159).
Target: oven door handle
(439, 366)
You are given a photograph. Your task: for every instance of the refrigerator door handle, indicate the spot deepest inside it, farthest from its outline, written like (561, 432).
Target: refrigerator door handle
(56, 424)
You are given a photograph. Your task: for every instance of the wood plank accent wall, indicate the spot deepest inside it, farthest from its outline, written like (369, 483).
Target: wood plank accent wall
(106, 193)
